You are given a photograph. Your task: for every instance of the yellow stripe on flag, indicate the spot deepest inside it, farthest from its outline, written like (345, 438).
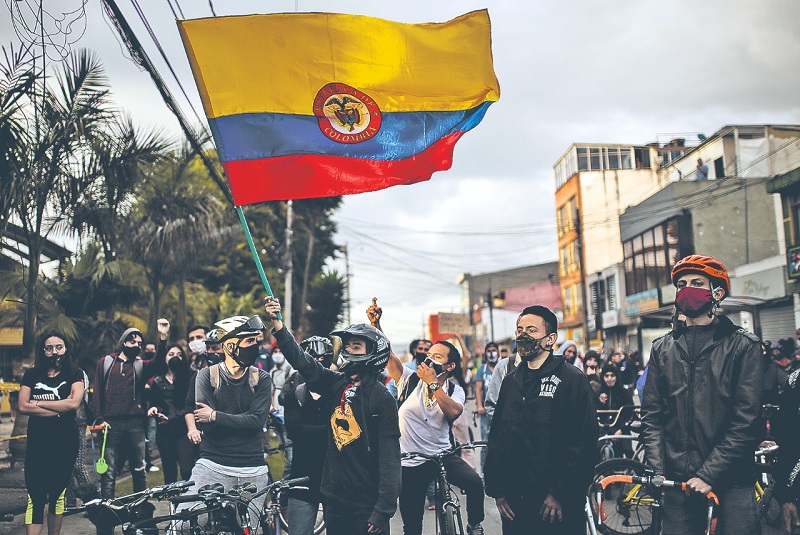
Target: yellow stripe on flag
(278, 63)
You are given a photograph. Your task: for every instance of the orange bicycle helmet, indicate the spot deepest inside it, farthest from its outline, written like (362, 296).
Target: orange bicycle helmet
(704, 265)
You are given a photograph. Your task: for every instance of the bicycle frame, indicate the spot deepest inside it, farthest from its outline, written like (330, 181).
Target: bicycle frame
(657, 482)
(449, 500)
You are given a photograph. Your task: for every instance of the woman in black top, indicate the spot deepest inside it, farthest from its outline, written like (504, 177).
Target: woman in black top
(49, 394)
(168, 395)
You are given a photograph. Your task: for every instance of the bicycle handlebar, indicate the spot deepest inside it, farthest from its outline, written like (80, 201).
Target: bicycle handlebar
(446, 453)
(657, 482)
(769, 450)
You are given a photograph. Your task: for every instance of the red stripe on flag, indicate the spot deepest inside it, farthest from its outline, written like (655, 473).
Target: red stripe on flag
(305, 176)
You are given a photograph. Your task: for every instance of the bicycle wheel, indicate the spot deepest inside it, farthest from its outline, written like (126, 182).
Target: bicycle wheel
(628, 509)
(451, 521)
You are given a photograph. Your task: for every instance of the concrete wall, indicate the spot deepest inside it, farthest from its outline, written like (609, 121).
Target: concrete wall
(606, 194)
(736, 233)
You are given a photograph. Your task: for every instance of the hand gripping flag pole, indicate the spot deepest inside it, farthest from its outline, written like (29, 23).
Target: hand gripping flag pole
(256, 259)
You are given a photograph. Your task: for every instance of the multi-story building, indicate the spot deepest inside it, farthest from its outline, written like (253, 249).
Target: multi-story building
(722, 210)
(494, 300)
(594, 184)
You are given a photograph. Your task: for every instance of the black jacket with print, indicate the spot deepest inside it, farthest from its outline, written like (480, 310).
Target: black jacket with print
(543, 438)
(364, 473)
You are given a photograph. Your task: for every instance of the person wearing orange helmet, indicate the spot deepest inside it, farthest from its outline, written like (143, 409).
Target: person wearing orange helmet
(701, 405)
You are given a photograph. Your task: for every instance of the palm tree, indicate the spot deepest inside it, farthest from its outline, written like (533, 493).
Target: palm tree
(122, 159)
(45, 162)
(16, 81)
(175, 224)
(326, 302)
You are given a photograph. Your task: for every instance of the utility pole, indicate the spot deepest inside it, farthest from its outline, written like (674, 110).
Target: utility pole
(347, 282)
(287, 306)
(490, 300)
(584, 293)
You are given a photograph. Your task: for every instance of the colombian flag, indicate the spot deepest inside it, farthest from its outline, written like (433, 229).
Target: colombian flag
(306, 105)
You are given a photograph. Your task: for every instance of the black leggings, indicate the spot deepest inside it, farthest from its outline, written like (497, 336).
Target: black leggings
(49, 459)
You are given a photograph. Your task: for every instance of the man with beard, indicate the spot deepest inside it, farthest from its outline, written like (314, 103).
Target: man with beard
(232, 401)
(701, 407)
(542, 442)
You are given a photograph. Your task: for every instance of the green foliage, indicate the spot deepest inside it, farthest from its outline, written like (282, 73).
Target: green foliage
(325, 303)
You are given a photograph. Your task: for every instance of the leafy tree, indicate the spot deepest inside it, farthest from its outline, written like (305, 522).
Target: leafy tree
(325, 303)
(45, 163)
(174, 223)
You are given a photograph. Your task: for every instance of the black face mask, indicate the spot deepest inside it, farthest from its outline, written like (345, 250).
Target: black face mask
(214, 358)
(246, 356)
(529, 347)
(56, 360)
(174, 364)
(438, 368)
(420, 356)
(149, 355)
(131, 352)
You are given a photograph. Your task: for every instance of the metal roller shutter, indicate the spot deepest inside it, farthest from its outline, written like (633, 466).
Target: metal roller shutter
(777, 323)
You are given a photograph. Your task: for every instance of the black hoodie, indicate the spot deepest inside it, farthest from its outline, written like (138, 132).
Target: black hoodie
(544, 434)
(365, 472)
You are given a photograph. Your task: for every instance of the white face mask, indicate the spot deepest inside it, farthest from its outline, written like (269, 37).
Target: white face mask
(278, 358)
(198, 347)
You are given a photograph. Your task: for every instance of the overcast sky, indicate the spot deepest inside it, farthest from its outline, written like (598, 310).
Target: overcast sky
(628, 71)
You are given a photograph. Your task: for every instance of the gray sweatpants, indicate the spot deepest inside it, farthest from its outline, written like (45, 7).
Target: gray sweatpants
(207, 473)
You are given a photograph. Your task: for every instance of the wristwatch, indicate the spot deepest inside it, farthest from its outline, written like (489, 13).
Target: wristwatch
(433, 387)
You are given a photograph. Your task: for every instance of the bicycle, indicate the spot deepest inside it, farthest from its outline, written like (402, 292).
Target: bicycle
(610, 419)
(220, 512)
(448, 507)
(106, 514)
(633, 509)
(657, 483)
(768, 507)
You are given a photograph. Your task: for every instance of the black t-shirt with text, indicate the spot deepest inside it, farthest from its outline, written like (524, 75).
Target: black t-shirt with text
(44, 388)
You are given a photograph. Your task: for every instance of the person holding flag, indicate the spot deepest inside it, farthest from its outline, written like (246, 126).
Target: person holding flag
(361, 475)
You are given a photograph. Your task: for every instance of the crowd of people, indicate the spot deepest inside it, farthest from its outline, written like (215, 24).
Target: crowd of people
(353, 418)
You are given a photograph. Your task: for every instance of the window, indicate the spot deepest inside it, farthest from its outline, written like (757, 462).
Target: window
(566, 217)
(598, 294)
(649, 257)
(611, 292)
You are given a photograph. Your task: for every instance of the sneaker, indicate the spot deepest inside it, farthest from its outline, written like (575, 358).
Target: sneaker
(153, 468)
(477, 529)
(431, 507)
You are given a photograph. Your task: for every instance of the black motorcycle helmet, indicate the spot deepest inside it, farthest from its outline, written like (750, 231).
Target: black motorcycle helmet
(317, 346)
(377, 350)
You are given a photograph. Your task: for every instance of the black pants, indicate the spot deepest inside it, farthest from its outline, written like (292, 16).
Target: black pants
(528, 519)
(176, 450)
(125, 442)
(416, 480)
(345, 520)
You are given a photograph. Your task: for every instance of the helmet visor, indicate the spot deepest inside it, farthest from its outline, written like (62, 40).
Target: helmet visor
(316, 347)
(251, 327)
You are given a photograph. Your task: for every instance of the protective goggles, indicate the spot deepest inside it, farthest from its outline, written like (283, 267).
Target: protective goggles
(317, 348)
(252, 326)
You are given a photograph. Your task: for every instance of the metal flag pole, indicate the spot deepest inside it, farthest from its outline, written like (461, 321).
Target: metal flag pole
(256, 259)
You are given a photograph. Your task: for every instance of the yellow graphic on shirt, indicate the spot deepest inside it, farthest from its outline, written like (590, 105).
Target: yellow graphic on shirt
(344, 426)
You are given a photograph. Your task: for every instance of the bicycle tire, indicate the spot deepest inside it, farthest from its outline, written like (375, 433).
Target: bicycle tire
(629, 509)
(319, 523)
(451, 521)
